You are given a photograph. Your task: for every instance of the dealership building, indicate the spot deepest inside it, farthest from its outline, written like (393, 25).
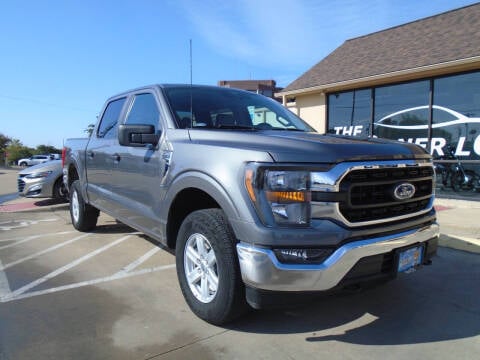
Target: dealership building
(418, 82)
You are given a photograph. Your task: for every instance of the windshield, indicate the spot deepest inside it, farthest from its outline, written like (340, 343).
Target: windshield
(223, 108)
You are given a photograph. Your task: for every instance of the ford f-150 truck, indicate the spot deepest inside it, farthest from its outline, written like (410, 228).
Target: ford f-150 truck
(256, 204)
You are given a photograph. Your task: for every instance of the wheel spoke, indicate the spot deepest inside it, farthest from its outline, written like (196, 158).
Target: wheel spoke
(200, 245)
(193, 276)
(213, 279)
(192, 255)
(211, 259)
(204, 287)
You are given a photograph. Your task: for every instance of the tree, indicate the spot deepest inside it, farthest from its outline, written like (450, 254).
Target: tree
(16, 150)
(4, 141)
(47, 149)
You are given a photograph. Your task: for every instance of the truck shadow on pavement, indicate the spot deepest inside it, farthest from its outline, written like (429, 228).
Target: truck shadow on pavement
(117, 227)
(438, 303)
(51, 201)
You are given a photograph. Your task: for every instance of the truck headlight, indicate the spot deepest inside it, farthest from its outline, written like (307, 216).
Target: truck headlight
(280, 196)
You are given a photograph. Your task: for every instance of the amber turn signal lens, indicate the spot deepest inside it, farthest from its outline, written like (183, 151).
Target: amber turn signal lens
(249, 184)
(288, 196)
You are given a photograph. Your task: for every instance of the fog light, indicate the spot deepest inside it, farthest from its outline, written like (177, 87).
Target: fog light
(302, 256)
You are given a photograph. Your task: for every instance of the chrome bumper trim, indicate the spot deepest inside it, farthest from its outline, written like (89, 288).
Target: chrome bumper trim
(261, 269)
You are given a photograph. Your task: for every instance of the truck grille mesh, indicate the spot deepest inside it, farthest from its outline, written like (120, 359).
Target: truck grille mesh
(370, 193)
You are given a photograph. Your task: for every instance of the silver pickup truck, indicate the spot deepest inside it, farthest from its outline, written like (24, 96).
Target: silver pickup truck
(257, 205)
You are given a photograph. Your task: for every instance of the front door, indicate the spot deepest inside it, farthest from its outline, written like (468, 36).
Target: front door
(136, 178)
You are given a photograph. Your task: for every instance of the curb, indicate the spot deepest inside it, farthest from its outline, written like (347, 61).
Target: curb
(27, 206)
(459, 243)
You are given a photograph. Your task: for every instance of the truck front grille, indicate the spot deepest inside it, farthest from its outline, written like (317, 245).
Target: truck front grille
(370, 193)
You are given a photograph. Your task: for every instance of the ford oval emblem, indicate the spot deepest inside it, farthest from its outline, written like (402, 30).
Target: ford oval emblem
(404, 191)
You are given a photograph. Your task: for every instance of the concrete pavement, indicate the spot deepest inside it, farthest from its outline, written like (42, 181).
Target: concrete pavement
(459, 219)
(459, 224)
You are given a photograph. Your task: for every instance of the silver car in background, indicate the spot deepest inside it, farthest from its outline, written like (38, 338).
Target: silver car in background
(42, 181)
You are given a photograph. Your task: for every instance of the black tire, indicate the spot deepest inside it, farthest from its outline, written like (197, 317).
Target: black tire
(209, 229)
(456, 181)
(84, 216)
(59, 190)
(473, 180)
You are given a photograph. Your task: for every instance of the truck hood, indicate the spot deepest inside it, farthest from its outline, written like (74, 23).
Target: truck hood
(293, 146)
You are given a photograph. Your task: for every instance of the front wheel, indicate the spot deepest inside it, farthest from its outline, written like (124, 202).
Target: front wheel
(59, 190)
(207, 267)
(84, 216)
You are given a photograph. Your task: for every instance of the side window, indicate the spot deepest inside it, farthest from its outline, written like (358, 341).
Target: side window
(108, 123)
(144, 111)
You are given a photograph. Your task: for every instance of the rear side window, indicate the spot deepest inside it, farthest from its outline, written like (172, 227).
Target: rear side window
(144, 111)
(108, 123)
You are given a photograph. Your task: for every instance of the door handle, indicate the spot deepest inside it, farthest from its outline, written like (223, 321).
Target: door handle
(90, 154)
(116, 158)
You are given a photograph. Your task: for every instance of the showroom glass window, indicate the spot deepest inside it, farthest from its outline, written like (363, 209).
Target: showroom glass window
(349, 113)
(402, 112)
(456, 117)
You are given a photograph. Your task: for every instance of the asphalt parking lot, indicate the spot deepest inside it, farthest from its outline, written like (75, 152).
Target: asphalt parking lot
(113, 294)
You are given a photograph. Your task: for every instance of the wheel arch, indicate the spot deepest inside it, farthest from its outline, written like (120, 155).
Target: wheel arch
(73, 173)
(191, 192)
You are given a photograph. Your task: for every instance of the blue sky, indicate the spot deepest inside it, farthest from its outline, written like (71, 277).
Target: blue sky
(60, 60)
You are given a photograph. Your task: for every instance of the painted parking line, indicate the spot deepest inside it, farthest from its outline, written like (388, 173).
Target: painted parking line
(18, 238)
(139, 261)
(64, 268)
(33, 237)
(21, 223)
(39, 253)
(6, 293)
(4, 284)
(116, 276)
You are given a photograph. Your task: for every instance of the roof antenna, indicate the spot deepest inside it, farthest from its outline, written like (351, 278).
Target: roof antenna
(191, 66)
(191, 86)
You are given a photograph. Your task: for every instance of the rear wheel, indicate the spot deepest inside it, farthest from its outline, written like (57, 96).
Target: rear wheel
(84, 216)
(207, 267)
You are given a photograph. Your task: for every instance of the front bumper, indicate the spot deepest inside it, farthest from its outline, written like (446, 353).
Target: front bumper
(35, 188)
(261, 269)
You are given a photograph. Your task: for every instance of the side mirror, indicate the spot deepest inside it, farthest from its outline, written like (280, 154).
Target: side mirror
(137, 135)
